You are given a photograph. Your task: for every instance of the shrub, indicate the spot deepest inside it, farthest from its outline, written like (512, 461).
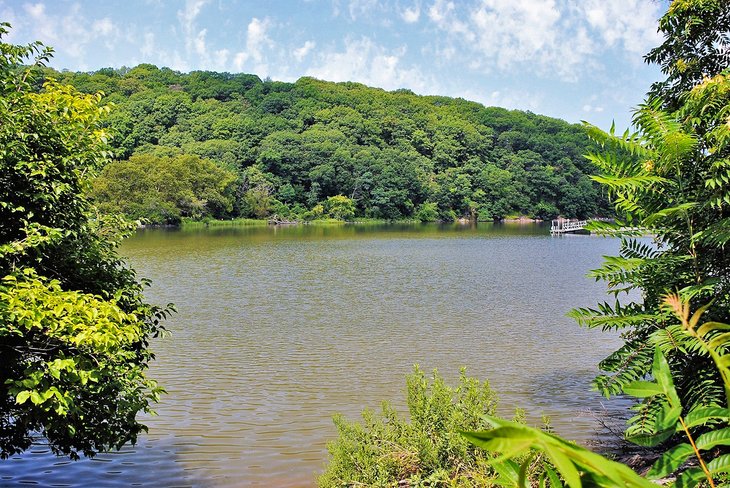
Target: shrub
(387, 450)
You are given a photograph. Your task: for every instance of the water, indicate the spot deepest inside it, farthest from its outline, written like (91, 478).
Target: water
(280, 328)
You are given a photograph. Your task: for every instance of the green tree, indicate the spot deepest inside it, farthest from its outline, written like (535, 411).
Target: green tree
(670, 179)
(258, 190)
(696, 45)
(162, 190)
(74, 326)
(339, 207)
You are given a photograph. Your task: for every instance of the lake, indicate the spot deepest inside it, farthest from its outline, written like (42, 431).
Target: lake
(279, 328)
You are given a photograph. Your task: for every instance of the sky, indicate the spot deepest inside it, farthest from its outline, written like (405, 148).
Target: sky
(571, 59)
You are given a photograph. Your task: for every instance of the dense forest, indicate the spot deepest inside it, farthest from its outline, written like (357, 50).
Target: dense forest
(208, 144)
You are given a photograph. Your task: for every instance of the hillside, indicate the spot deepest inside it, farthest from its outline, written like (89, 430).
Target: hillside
(284, 148)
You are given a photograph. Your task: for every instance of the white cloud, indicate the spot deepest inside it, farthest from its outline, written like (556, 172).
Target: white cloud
(301, 53)
(588, 108)
(513, 30)
(444, 15)
(69, 33)
(198, 43)
(554, 38)
(256, 37)
(256, 40)
(43, 26)
(148, 46)
(190, 13)
(410, 15)
(194, 41)
(239, 60)
(507, 98)
(631, 23)
(363, 8)
(104, 27)
(366, 62)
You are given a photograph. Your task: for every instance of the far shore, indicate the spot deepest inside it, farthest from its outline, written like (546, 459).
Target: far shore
(262, 222)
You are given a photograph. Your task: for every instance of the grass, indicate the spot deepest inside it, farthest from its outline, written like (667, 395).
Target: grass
(192, 224)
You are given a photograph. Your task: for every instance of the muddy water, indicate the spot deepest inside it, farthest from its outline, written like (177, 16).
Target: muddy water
(278, 329)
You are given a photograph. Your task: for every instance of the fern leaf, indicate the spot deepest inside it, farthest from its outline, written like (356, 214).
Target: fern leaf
(670, 461)
(702, 415)
(714, 438)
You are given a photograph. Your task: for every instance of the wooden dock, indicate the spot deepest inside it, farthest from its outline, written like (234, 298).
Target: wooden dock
(564, 226)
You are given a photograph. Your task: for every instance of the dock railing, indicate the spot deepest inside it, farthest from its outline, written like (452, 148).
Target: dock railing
(561, 226)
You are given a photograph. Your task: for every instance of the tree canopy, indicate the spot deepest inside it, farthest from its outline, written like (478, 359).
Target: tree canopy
(670, 179)
(74, 326)
(389, 152)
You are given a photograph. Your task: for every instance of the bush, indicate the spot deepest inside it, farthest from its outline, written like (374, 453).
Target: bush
(387, 450)
(427, 212)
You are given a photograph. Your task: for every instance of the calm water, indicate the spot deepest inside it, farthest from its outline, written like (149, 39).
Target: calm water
(280, 328)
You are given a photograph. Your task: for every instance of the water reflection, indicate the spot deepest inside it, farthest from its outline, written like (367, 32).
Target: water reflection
(280, 328)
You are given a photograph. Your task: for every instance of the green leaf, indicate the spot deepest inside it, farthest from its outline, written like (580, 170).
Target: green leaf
(663, 375)
(668, 417)
(670, 461)
(565, 467)
(524, 481)
(22, 397)
(714, 438)
(700, 415)
(643, 389)
(689, 478)
(710, 326)
(720, 464)
(507, 471)
(35, 397)
(650, 440)
(719, 340)
(509, 441)
(554, 478)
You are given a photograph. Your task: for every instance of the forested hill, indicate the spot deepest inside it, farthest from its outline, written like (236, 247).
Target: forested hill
(284, 148)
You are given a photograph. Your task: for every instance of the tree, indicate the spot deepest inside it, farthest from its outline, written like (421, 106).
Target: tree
(339, 207)
(671, 179)
(696, 45)
(162, 190)
(74, 326)
(388, 151)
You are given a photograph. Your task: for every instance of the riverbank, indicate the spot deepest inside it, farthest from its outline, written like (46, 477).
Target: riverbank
(191, 224)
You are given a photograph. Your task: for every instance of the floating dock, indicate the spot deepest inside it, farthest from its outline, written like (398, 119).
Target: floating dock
(564, 226)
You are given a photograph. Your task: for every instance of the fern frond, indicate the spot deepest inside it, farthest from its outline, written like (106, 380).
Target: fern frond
(633, 248)
(632, 143)
(609, 317)
(644, 422)
(669, 213)
(664, 133)
(673, 339)
(717, 234)
(630, 363)
(617, 270)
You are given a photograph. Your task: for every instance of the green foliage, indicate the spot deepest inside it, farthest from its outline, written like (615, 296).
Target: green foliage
(163, 190)
(387, 450)
(339, 207)
(576, 465)
(662, 416)
(389, 152)
(696, 46)
(427, 212)
(74, 327)
(74, 371)
(669, 179)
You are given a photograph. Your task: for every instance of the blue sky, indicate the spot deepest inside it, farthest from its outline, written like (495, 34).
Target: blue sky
(572, 59)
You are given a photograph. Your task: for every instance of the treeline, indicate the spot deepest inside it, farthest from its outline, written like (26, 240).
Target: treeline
(285, 148)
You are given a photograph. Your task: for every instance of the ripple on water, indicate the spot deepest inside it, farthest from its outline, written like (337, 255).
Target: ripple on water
(279, 331)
